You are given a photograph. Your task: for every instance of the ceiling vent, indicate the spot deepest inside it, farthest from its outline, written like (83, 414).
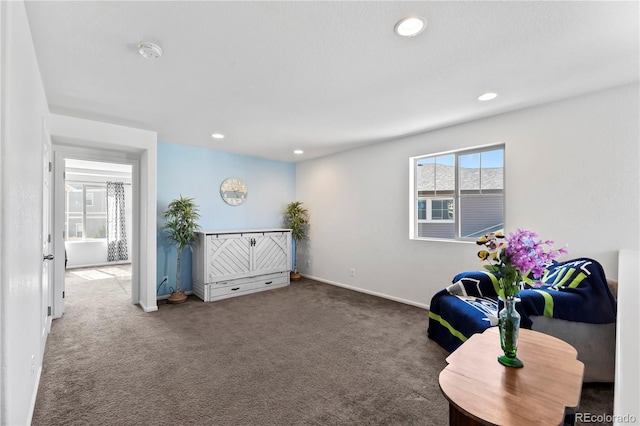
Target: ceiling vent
(149, 50)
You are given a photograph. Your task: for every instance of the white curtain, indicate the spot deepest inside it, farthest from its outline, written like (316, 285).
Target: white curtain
(116, 227)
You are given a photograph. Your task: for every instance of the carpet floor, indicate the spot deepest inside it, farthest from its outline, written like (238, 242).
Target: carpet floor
(306, 354)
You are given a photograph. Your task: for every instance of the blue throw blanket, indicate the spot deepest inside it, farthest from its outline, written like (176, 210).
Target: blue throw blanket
(575, 290)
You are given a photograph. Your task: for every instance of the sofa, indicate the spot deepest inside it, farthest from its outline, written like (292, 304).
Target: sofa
(572, 301)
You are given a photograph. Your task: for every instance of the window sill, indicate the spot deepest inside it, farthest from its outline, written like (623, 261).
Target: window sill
(435, 221)
(444, 240)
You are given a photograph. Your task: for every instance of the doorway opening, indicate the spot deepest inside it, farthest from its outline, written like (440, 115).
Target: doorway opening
(96, 216)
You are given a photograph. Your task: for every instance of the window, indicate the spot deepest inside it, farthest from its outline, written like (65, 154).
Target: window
(458, 195)
(435, 210)
(85, 211)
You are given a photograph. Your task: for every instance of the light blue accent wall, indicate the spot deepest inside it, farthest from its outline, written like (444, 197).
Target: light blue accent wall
(198, 173)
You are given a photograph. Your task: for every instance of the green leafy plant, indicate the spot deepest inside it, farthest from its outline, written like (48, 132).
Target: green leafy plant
(296, 218)
(180, 226)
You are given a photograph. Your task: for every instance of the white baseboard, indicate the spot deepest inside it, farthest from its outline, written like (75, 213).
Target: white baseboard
(373, 293)
(97, 265)
(32, 406)
(155, 308)
(147, 308)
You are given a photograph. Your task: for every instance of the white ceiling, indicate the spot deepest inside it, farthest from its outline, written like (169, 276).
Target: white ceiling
(322, 76)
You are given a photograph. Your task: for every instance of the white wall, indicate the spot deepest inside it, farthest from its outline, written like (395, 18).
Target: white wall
(86, 253)
(82, 254)
(571, 175)
(627, 386)
(23, 110)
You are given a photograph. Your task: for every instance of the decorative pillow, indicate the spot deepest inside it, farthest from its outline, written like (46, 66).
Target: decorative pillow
(474, 283)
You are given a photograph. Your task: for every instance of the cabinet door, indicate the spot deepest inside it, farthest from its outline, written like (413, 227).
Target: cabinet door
(228, 256)
(272, 252)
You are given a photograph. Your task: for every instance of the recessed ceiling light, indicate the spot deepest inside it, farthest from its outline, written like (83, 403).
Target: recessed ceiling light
(298, 151)
(487, 96)
(149, 50)
(217, 135)
(410, 26)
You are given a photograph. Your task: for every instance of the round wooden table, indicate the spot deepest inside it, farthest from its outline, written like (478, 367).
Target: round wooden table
(481, 391)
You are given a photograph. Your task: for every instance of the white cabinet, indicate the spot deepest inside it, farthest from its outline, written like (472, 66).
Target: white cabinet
(233, 263)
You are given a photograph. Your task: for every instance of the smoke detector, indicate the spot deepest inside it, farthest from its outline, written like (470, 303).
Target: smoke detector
(149, 50)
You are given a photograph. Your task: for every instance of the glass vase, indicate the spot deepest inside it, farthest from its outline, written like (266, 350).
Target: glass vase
(509, 324)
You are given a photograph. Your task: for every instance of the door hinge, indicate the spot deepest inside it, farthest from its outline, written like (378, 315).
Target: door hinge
(63, 294)
(49, 238)
(48, 311)
(50, 166)
(64, 175)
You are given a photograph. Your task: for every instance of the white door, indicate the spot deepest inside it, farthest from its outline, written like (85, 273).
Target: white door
(228, 256)
(57, 284)
(271, 252)
(47, 247)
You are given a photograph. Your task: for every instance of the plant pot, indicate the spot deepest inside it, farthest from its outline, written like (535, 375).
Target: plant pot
(295, 276)
(177, 297)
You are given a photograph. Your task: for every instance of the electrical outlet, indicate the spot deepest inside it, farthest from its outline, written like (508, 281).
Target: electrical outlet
(353, 272)
(33, 364)
(165, 279)
(308, 263)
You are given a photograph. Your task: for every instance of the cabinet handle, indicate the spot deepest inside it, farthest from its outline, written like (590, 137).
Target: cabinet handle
(234, 289)
(268, 282)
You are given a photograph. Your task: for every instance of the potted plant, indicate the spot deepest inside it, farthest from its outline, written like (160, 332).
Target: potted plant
(180, 226)
(296, 218)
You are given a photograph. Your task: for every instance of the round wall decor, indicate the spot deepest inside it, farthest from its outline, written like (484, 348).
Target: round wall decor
(233, 191)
